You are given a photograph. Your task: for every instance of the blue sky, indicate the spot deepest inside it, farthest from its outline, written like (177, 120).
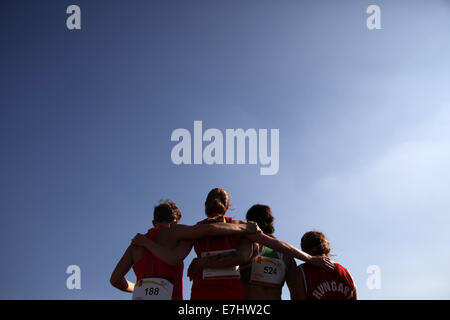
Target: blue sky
(86, 118)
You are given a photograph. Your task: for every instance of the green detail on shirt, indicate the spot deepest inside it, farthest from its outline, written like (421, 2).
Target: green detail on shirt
(270, 253)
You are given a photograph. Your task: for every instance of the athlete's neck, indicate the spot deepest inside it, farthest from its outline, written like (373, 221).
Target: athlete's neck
(212, 215)
(163, 224)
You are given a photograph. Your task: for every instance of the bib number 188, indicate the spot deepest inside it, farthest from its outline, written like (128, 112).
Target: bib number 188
(151, 291)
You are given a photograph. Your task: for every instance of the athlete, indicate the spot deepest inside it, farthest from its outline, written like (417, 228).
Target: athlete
(215, 271)
(269, 264)
(264, 275)
(156, 278)
(219, 283)
(317, 284)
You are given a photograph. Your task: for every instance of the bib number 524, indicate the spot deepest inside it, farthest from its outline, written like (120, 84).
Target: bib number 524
(270, 270)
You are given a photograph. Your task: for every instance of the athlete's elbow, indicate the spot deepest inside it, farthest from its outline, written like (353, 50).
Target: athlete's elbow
(113, 280)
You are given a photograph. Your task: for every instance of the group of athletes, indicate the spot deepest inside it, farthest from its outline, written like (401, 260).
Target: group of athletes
(236, 260)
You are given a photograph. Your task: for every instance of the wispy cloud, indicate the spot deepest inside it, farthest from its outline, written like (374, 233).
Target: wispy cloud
(398, 205)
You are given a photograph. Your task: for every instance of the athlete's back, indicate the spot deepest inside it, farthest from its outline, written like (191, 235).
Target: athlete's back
(268, 284)
(327, 285)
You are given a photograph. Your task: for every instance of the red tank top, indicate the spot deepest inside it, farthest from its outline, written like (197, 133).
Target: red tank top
(327, 285)
(151, 267)
(227, 289)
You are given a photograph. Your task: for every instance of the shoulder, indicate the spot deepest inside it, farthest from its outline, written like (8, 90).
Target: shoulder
(309, 269)
(289, 260)
(300, 270)
(176, 227)
(303, 266)
(343, 271)
(340, 269)
(177, 230)
(169, 236)
(231, 220)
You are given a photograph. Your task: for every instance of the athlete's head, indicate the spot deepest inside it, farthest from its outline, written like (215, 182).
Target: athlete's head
(166, 212)
(262, 215)
(217, 201)
(315, 243)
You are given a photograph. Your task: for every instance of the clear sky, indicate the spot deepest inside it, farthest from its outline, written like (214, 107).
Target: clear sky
(86, 117)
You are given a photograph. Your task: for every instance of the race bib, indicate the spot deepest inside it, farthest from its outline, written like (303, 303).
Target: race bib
(153, 289)
(267, 271)
(220, 273)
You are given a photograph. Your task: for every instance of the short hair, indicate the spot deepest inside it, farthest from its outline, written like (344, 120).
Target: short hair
(315, 243)
(166, 211)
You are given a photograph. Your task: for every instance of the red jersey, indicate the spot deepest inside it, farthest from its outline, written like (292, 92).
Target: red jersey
(327, 285)
(151, 267)
(223, 289)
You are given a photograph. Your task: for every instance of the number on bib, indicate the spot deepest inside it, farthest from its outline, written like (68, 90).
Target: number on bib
(220, 273)
(153, 289)
(267, 271)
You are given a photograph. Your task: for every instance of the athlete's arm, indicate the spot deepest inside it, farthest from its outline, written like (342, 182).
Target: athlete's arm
(291, 277)
(118, 276)
(355, 295)
(183, 232)
(301, 289)
(170, 256)
(180, 232)
(287, 248)
(240, 256)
